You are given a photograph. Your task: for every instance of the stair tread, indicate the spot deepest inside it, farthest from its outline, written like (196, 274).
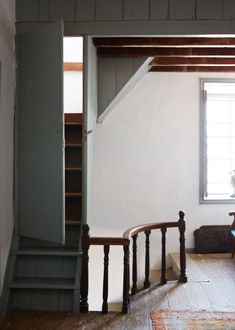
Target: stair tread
(43, 283)
(46, 251)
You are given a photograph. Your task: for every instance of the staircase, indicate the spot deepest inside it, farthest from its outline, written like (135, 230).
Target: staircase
(42, 275)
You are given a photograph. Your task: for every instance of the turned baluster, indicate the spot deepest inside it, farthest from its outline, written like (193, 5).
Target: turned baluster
(181, 226)
(147, 261)
(163, 276)
(126, 279)
(134, 265)
(84, 306)
(105, 279)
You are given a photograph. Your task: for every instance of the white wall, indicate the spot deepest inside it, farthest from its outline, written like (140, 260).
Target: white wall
(7, 85)
(146, 168)
(73, 82)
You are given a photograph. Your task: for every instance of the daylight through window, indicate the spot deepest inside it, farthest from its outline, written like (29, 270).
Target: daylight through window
(218, 141)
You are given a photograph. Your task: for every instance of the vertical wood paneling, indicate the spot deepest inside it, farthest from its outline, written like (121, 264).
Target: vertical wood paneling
(106, 82)
(48, 301)
(124, 71)
(21, 299)
(63, 9)
(136, 10)
(229, 9)
(27, 10)
(43, 10)
(182, 9)
(209, 9)
(138, 61)
(85, 10)
(66, 300)
(113, 75)
(109, 10)
(49, 267)
(158, 9)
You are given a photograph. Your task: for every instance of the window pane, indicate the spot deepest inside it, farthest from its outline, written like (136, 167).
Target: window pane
(217, 111)
(232, 129)
(218, 129)
(232, 164)
(232, 111)
(218, 148)
(218, 171)
(219, 188)
(232, 148)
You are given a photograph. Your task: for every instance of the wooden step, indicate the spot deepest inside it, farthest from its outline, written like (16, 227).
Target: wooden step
(193, 272)
(43, 283)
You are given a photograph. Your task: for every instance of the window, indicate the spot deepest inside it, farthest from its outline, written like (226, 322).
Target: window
(218, 141)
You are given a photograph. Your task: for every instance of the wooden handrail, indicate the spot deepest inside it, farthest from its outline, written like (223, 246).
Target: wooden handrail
(108, 241)
(130, 234)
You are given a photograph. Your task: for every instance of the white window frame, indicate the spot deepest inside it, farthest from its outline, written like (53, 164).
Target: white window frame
(203, 151)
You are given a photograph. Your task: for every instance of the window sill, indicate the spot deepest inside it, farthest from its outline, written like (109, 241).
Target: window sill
(219, 199)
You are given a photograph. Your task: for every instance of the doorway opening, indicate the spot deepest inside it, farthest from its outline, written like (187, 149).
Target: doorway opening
(73, 109)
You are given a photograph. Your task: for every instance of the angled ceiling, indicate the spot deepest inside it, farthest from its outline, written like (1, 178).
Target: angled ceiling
(174, 54)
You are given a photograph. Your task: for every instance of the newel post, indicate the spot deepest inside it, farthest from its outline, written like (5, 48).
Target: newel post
(181, 226)
(84, 306)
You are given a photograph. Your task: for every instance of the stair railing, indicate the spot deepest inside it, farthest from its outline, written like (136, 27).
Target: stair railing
(130, 234)
(87, 241)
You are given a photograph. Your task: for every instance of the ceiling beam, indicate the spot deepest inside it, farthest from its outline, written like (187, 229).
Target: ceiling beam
(164, 42)
(192, 69)
(170, 51)
(197, 61)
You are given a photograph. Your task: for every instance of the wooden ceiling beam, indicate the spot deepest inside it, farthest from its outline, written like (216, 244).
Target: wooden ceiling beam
(164, 42)
(192, 69)
(196, 61)
(171, 51)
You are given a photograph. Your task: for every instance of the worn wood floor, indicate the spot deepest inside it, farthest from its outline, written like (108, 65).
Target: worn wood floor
(215, 291)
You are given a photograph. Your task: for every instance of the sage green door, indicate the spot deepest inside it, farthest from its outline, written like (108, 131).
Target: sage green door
(39, 168)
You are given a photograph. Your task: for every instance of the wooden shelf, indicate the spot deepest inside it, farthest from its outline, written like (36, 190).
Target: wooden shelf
(73, 169)
(73, 124)
(73, 194)
(73, 222)
(73, 118)
(73, 145)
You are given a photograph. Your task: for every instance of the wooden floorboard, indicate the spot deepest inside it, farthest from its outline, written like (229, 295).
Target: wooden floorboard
(218, 294)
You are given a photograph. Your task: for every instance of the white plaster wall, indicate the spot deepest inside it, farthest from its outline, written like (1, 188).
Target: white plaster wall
(146, 169)
(73, 82)
(7, 86)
